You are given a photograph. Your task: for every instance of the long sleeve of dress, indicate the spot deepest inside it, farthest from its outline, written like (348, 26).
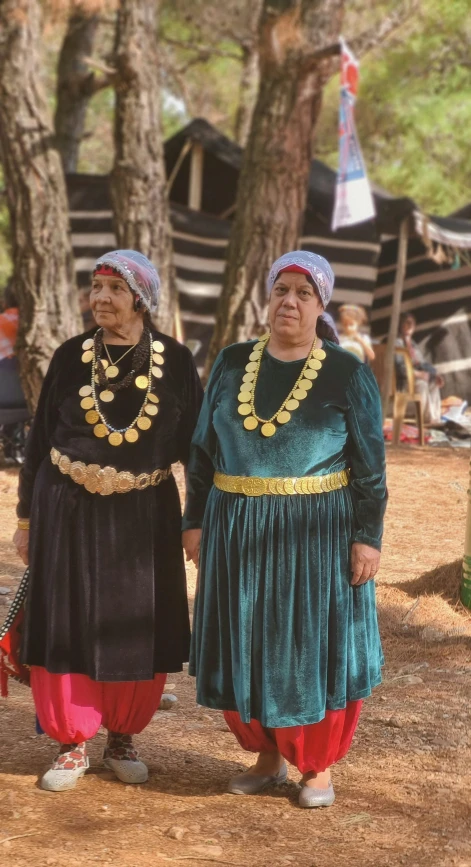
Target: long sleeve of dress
(38, 443)
(193, 396)
(367, 458)
(202, 454)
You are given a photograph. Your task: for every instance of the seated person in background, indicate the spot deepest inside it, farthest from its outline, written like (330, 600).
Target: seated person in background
(11, 392)
(8, 324)
(351, 338)
(427, 381)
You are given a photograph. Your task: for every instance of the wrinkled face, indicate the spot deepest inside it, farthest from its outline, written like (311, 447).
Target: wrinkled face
(112, 302)
(294, 308)
(408, 326)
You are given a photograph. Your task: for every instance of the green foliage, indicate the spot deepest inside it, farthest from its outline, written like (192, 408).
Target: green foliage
(414, 109)
(97, 149)
(201, 64)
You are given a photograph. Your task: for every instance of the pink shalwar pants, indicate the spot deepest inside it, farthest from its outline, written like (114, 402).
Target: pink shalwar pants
(71, 707)
(312, 747)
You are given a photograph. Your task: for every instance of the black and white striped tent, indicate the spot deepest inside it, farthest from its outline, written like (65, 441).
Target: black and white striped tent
(203, 168)
(200, 238)
(437, 289)
(200, 243)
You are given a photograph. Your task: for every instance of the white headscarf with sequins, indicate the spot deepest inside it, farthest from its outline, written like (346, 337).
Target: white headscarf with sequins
(318, 268)
(138, 271)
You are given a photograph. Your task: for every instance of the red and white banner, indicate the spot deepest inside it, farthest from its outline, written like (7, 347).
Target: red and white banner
(353, 200)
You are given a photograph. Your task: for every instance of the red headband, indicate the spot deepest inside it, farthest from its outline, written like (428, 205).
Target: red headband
(297, 269)
(106, 271)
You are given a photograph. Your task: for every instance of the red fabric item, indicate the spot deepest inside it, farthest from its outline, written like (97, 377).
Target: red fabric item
(10, 665)
(409, 433)
(107, 271)
(297, 269)
(72, 707)
(310, 748)
(8, 331)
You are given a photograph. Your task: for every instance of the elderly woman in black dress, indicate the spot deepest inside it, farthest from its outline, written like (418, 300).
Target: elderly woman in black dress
(99, 522)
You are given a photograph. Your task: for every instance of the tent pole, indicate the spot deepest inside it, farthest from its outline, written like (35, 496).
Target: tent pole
(395, 313)
(195, 192)
(466, 574)
(181, 156)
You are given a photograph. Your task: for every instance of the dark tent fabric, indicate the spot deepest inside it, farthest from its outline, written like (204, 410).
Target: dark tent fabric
(222, 160)
(463, 213)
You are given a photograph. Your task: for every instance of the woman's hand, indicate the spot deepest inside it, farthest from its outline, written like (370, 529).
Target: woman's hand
(191, 540)
(364, 562)
(21, 542)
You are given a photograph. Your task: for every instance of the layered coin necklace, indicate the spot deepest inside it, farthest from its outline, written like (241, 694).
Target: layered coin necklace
(298, 393)
(103, 370)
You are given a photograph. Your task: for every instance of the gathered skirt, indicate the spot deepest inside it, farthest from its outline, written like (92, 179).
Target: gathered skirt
(279, 633)
(107, 588)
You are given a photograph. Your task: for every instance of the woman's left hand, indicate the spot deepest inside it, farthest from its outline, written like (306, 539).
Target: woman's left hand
(364, 562)
(191, 545)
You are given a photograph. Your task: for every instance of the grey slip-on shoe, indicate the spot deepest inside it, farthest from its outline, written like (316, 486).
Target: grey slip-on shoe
(310, 797)
(251, 784)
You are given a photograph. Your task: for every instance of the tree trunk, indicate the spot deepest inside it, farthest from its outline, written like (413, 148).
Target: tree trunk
(297, 39)
(75, 86)
(138, 181)
(247, 94)
(37, 199)
(249, 78)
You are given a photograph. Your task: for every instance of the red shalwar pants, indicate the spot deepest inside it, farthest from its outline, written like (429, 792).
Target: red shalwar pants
(72, 707)
(311, 747)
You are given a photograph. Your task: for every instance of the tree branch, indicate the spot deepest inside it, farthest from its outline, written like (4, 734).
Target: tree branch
(370, 39)
(204, 52)
(101, 67)
(93, 85)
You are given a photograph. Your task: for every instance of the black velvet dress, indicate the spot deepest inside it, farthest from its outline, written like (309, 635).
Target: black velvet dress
(107, 592)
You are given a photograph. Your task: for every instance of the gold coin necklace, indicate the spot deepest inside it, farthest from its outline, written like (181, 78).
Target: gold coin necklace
(90, 400)
(298, 393)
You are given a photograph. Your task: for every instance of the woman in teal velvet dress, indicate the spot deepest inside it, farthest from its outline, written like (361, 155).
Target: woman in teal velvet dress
(285, 504)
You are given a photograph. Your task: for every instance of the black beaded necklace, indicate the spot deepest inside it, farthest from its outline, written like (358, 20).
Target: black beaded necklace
(139, 356)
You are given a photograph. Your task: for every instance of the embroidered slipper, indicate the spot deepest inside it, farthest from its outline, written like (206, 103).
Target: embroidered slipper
(120, 756)
(71, 764)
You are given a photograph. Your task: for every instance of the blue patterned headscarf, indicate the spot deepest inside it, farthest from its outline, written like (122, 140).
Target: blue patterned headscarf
(316, 266)
(138, 271)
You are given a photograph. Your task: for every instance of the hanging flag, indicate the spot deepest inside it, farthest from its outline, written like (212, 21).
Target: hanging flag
(353, 200)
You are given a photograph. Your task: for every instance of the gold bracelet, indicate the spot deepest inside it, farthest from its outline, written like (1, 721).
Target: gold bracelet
(23, 523)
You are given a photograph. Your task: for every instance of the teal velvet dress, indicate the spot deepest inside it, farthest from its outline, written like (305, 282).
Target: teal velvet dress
(279, 633)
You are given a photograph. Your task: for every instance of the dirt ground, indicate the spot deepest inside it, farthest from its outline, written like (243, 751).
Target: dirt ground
(403, 792)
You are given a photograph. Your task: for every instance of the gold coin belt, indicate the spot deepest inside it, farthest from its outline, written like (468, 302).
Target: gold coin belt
(106, 480)
(90, 400)
(298, 393)
(257, 486)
